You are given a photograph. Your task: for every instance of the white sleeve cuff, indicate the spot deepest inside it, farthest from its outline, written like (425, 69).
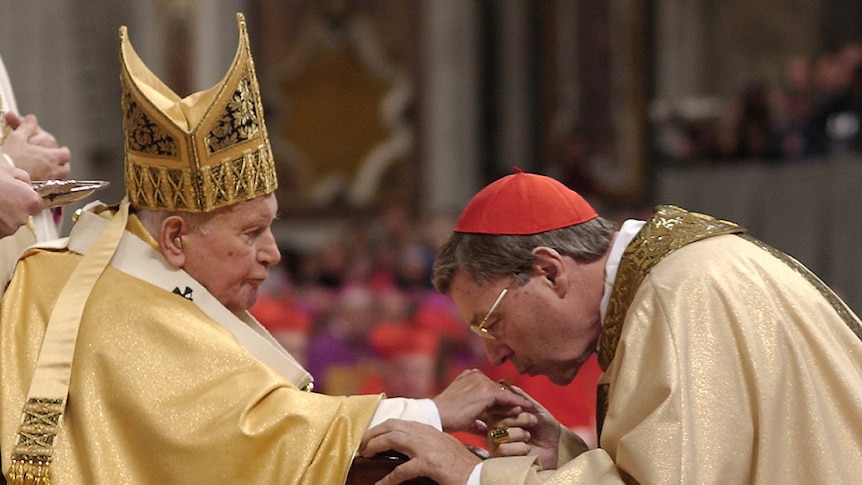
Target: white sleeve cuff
(433, 413)
(421, 410)
(475, 475)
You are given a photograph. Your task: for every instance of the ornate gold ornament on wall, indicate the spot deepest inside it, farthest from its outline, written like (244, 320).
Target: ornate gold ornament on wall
(343, 106)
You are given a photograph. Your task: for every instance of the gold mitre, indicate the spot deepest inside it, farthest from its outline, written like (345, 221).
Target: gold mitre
(205, 151)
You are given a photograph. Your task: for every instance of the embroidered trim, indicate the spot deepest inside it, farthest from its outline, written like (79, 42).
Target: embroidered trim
(32, 454)
(177, 160)
(239, 120)
(142, 133)
(245, 177)
(669, 229)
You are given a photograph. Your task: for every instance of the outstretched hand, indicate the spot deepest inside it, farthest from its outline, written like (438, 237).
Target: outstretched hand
(471, 397)
(433, 454)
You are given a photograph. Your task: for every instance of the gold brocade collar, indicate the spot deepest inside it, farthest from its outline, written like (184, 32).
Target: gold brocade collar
(669, 229)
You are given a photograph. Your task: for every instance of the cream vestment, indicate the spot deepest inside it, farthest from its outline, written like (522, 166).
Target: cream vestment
(726, 362)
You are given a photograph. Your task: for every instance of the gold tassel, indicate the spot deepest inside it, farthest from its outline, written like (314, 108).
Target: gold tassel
(32, 456)
(29, 472)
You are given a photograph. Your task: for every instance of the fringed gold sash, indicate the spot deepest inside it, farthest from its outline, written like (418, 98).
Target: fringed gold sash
(49, 389)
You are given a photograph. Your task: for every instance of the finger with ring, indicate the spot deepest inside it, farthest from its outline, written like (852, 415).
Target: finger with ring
(499, 435)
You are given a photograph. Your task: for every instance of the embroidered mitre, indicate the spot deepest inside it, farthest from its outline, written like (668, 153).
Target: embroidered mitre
(198, 153)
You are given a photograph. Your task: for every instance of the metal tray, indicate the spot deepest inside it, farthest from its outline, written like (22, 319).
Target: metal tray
(61, 192)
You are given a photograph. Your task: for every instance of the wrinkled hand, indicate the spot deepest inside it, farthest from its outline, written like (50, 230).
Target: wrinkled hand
(471, 397)
(18, 201)
(534, 433)
(432, 453)
(35, 150)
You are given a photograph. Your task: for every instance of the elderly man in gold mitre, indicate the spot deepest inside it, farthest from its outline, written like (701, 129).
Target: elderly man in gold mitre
(128, 352)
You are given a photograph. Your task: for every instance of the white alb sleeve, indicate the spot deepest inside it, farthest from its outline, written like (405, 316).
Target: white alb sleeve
(473, 479)
(421, 410)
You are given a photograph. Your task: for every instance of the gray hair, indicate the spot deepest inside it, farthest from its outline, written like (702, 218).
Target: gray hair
(487, 257)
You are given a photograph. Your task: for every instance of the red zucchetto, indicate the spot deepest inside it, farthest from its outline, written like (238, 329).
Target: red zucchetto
(522, 204)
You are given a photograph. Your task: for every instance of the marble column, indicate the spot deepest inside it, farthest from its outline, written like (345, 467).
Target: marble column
(449, 104)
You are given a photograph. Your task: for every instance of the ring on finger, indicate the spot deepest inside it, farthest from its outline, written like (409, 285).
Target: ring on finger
(499, 435)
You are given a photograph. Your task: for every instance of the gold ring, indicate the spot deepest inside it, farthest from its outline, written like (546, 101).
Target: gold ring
(499, 435)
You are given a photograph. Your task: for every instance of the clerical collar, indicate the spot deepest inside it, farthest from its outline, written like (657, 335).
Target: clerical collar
(627, 232)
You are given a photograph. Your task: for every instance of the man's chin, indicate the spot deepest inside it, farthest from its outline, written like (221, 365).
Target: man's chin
(533, 371)
(562, 378)
(251, 299)
(562, 381)
(243, 303)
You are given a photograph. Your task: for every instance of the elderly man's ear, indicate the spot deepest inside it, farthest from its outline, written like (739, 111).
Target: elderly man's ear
(174, 229)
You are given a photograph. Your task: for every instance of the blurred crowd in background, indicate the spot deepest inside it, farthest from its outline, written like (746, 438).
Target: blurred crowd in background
(815, 111)
(361, 315)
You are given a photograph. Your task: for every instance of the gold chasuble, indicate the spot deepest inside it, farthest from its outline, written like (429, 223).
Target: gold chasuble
(160, 392)
(726, 362)
(118, 368)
